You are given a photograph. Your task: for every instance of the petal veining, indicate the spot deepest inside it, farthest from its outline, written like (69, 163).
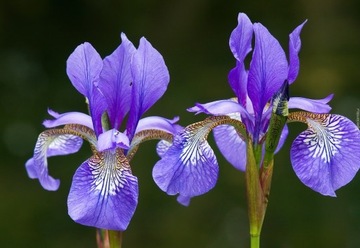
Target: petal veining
(150, 80)
(51, 142)
(83, 68)
(104, 193)
(268, 69)
(325, 156)
(116, 81)
(189, 167)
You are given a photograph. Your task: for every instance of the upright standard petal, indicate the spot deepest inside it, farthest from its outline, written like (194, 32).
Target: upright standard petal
(326, 156)
(240, 46)
(51, 142)
(83, 68)
(189, 167)
(150, 81)
(294, 49)
(104, 193)
(241, 37)
(237, 78)
(268, 69)
(116, 81)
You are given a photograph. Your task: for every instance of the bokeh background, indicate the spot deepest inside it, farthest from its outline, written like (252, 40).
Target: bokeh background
(36, 37)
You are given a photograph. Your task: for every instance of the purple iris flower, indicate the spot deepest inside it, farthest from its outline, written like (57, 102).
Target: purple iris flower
(104, 192)
(325, 157)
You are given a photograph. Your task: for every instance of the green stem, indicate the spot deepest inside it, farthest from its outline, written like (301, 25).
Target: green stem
(255, 197)
(255, 241)
(108, 238)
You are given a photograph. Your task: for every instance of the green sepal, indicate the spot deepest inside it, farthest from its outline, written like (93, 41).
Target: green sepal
(278, 120)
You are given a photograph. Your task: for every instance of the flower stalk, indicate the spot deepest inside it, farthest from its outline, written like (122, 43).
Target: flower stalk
(108, 238)
(255, 198)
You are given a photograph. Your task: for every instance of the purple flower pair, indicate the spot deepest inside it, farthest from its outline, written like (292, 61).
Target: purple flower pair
(123, 86)
(104, 192)
(325, 156)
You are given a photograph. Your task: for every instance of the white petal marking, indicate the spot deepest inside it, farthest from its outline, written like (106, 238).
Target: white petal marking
(324, 137)
(109, 173)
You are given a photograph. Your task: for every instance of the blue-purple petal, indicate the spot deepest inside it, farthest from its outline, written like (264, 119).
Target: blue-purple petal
(150, 81)
(68, 118)
(104, 193)
(220, 107)
(112, 139)
(268, 69)
(231, 146)
(294, 49)
(240, 46)
(241, 37)
(189, 167)
(50, 143)
(158, 123)
(311, 105)
(282, 138)
(162, 147)
(183, 200)
(326, 156)
(83, 68)
(238, 77)
(116, 81)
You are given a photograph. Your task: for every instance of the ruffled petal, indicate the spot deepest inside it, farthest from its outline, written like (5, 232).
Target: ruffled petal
(112, 139)
(50, 143)
(268, 69)
(231, 145)
(116, 81)
(189, 167)
(311, 105)
(68, 118)
(150, 81)
(83, 68)
(104, 193)
(326, 156)
(294, 49)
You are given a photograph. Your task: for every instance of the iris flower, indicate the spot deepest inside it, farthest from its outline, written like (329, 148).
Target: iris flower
(325, 156)
(118, 90)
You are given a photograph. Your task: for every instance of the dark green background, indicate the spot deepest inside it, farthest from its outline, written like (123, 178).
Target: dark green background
(36, 37)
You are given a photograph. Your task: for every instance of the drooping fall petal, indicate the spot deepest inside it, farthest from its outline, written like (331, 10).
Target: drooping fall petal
(104, 193)
(326, 156)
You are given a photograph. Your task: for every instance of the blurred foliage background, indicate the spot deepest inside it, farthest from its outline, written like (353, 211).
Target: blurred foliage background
(36, 37)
